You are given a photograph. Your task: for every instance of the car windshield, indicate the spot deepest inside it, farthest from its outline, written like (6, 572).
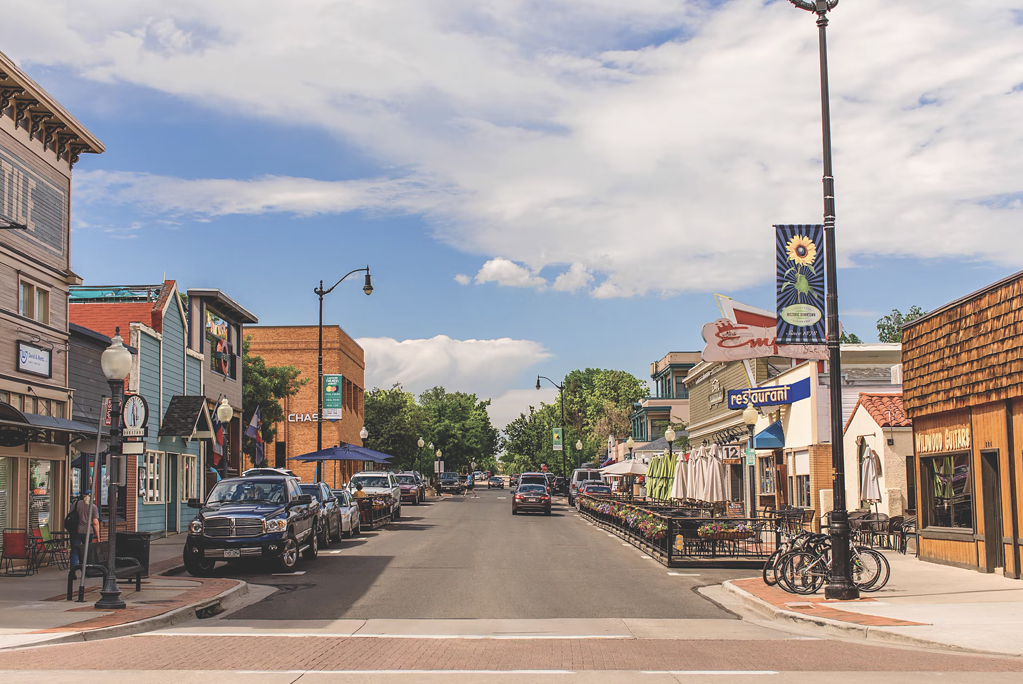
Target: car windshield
(406, 479)
(533, 489)
(312, 489)
(538, 479)
(248, 491)
(378, 481)
(598, 489)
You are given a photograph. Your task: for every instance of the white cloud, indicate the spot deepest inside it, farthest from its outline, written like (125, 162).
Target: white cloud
(575, 278)
(565, 133)
(462, 279)
(487, 367)
(507, 407)
(504, 272)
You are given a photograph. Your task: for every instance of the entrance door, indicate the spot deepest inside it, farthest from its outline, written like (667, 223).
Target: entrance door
(780, 479)
(992, 490)
(171, 478)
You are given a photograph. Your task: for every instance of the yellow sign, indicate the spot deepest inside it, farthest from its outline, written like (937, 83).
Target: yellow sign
(949, 439)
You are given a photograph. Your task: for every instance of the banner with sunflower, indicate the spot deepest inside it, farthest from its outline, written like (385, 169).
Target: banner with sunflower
(800, 284)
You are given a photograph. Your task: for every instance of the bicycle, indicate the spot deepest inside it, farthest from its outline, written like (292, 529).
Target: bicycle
(789, 543)
(804, 571)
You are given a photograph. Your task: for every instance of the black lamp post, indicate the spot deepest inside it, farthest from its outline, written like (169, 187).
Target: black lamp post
(578, 453)
(115, 362)
(669, 435)
(561, 394)
(224, 414)
(320, 292)
(840, 584)
(419, 456)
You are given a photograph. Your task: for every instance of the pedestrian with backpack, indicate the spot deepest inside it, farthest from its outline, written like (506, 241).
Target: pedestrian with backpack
(78, 520)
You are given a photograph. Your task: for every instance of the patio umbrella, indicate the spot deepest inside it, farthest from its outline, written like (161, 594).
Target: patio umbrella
(625, 468)
(870, 488)
(715, 477)
(678, 486)
(697, 475)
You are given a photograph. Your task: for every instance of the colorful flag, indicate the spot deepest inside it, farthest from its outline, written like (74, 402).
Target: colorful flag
(218, 438)
(255, 430)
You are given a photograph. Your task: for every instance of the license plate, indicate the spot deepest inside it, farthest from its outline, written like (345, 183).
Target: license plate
(532, 500)
(232, 553)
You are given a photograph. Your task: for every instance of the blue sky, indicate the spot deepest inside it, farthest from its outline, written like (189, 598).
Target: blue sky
(537, 187)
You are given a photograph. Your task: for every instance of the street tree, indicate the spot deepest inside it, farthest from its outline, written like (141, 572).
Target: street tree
(395, 423)
(889, 328)
(264, 386)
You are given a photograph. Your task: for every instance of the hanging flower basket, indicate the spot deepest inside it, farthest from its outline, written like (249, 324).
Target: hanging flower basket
(734, 535)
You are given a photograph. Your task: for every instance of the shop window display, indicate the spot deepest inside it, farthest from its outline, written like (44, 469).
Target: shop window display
(767, 475)
(40, 474)
(948, 489)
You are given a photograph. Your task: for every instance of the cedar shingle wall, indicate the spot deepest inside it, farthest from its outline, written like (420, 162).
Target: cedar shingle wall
(969, 355)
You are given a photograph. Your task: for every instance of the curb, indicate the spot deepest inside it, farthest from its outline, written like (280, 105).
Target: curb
(172, 617)
(845, 629)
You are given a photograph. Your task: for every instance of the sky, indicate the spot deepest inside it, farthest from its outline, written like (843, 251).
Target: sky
(537, 186)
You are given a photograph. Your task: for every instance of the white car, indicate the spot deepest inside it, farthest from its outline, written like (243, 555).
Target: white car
(351, 518)
(378, 483)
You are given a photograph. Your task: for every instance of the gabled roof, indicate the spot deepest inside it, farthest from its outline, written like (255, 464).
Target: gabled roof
(187, 417)
(224, 304)
(886, 410)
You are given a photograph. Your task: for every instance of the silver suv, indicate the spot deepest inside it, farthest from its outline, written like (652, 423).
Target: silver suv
(580, 477)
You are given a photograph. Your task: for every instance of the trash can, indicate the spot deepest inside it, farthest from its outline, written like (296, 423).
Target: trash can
(135, 545)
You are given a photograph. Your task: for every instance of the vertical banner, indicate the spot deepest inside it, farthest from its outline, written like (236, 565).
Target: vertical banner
(333, 399)
(557, 439)
(800, 284)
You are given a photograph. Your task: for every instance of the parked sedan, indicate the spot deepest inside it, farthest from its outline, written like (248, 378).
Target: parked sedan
(531, 497)
(411, 491)
(348, 508)
(495, 481)
(328, 526)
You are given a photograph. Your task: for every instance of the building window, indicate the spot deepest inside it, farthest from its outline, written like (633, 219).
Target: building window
(767, 474)
(948, 491)
(151, 477)
(189, 477)
(35, 303)
(910, 485)
(803, 491)
(681, 391)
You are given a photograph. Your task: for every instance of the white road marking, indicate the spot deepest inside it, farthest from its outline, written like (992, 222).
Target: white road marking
(414, 672)
(334, 552)
(645, 557)
(626, 544)
(282, 574)
(711, 672)
(684, 574)
(502, 497)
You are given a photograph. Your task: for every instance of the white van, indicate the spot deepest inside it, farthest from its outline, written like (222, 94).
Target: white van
(579, 478)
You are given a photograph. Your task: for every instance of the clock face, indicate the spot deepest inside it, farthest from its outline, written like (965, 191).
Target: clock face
(136, 413)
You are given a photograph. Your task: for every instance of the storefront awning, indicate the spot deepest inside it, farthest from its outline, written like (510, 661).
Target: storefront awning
(771, 437)
(188, 418)
(11, 417)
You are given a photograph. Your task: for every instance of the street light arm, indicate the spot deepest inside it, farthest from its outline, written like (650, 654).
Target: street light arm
(818, 7)
(320, 291)
(544, 377)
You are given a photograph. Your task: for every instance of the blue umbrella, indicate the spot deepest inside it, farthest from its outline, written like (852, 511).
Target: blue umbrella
(345, 452)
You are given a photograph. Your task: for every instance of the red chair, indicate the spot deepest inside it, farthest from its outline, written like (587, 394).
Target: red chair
(18, 546)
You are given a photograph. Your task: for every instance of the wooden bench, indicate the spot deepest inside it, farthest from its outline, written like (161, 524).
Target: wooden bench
(124, 568)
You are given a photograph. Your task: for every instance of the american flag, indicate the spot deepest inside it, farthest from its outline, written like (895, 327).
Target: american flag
(255, 430)
(218, 438)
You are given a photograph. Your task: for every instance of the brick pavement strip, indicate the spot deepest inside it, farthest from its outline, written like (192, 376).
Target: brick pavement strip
(277, 653)
(818, 606)
(207, 589)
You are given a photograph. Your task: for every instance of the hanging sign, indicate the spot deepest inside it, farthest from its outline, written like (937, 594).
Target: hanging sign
(333, 398)
(769, 396)
(727, 340)
(800, 284)
(34, 360)
(557, 439)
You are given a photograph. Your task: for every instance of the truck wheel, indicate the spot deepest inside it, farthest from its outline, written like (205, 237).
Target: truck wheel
(289, 556)
(313, 550)
(357, 530)
(198, 566)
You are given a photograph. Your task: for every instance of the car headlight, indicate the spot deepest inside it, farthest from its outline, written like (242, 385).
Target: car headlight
(277, 525)
(195, 527)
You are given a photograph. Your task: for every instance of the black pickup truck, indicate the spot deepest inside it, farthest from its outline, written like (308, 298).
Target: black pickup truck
(255, 517)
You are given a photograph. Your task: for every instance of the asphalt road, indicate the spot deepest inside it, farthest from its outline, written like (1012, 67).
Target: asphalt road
(471, 558)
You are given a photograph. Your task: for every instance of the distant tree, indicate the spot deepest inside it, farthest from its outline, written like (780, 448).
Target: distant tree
(395, 423)
(264, 386)
(459, 425)
(850, 338)
(889, 328)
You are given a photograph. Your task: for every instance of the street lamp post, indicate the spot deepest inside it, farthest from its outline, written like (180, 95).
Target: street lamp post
(561, 394)
(630, 443)
(669, 435)
(750, 416)
(115, 363)
(578, 453)
(224, 414)
(320, 292)
(439, 469)
(419, 456)
(840, 585)
(364, 435)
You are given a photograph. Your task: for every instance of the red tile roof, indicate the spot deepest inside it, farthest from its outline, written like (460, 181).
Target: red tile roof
(104, 317)
(886, 410)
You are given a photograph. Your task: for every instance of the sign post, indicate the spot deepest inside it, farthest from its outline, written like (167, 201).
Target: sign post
(333, 398)
(558, 439)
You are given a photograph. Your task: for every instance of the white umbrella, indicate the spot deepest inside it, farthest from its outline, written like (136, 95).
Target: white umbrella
(696, 479)
(870, 488)
(715, 478)
(632, 467)
(678, 486)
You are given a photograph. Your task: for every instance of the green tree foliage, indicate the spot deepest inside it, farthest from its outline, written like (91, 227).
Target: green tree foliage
(889, 328)
(264, 386)
(455, 422)
(850, 338)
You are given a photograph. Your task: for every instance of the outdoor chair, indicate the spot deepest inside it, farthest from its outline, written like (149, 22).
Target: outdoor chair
(51, 548)
(873, 527)
(18, 548)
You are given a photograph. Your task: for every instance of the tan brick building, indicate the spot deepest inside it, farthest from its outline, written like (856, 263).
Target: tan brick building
(297, 346)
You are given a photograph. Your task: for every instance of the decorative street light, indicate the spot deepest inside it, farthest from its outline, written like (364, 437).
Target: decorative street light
(840, 585)
(669, 435)
(750, 416)
(363, 433)
(419, 456)
(320, 292)
(115, 362)
(630, 443)
(578, 453)
(561, 395)
(224, 414)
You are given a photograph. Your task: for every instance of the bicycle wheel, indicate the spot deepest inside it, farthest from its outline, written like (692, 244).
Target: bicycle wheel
(864, 568)
(770, 569)
(875, 559)
(803, 572)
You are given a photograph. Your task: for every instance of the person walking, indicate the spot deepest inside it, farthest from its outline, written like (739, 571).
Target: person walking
(470, 486)
(88, 516)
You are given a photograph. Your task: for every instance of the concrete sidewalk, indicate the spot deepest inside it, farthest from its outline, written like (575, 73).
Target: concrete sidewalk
(33, 609)
(924, 604)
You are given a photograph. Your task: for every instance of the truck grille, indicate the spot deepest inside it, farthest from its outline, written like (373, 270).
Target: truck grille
(221, 528)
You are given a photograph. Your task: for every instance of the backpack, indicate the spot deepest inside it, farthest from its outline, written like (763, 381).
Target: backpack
(71, 520)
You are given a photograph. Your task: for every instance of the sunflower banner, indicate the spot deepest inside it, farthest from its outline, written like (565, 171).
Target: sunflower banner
(800, 284)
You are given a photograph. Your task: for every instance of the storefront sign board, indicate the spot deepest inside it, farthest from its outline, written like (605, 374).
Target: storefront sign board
(736, 509)
(34, 360)
(333, 398)
(727, 340)
(769, 396)
(750, 457)
(946, 440)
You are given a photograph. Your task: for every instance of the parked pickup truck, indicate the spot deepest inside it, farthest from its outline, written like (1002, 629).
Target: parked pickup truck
(379, 484)
(253, 517)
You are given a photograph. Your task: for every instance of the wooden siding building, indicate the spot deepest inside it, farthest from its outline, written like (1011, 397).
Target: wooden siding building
(963, 390)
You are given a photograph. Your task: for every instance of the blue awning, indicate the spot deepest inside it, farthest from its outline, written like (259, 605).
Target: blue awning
(771, 437)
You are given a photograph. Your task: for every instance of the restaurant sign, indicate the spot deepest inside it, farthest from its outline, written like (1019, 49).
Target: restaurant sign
(769, 396)
(949, 439)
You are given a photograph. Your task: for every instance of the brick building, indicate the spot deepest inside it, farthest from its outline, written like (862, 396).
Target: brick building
(297, 346)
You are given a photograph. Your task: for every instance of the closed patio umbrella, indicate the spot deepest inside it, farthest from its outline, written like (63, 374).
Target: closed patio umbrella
(715, 477)
(870, 487)
(678, 486)
(697, 476)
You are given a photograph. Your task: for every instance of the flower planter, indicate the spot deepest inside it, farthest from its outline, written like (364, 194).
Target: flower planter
(726, 536)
